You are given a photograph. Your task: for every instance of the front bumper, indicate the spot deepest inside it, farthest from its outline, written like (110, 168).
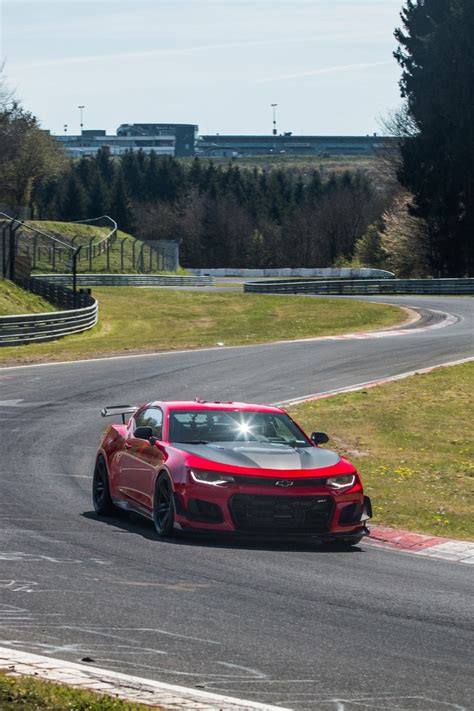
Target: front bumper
(250, 510)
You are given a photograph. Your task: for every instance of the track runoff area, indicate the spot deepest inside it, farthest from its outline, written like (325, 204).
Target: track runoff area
(267, 624)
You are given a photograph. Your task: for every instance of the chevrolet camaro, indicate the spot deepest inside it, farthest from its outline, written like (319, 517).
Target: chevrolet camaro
(227, 467)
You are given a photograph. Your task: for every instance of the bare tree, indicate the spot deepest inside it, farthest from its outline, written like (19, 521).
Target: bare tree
(405, 240)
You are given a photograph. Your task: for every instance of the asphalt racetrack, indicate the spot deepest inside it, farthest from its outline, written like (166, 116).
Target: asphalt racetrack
(288, 624)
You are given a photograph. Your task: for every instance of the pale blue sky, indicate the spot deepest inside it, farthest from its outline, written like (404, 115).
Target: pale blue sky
(218, 63)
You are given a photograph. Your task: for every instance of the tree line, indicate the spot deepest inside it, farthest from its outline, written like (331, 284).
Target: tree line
(223, 215)
(436, 128)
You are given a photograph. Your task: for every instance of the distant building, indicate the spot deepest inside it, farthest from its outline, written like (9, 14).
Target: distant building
(221, 145)
(183, 135)
(170, 139)
(181, 139)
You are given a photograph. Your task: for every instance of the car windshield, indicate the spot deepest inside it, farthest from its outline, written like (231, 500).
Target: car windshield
(208, 426)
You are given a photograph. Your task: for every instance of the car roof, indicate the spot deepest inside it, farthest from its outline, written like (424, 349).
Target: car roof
(213, 405)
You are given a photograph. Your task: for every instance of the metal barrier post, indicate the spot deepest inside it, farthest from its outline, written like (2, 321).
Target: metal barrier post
(4, 250)
(133, 253)
(74, 274)
(35, 242)
(90, 253)
(12, 249)
(122, 247)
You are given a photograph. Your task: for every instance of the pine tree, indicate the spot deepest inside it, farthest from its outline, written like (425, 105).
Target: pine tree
(133, 173)
(436, 53)
(105, 165)
(120, 207)
(299, 191)
(315, 187)
(196, 173)
(151, 188)
(99, 197)
(85, 170)
(74, 203)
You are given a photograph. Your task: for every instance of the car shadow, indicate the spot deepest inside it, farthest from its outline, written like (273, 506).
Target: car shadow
(137, 525)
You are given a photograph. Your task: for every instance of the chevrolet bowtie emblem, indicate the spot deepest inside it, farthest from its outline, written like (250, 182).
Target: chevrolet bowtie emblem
(284, 482)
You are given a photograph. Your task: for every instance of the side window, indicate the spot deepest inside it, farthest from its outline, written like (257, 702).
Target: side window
(151, 417)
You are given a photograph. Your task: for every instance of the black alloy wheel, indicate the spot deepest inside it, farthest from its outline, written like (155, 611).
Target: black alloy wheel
(100, 490)
(163, 507)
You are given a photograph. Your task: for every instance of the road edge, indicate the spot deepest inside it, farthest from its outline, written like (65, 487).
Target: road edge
(407, 327)
(129, 688)
(369, 383)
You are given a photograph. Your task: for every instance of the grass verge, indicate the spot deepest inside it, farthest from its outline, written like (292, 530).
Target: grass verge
(26, 693)
(122, 258)
(14, 300)
(139, 320)
(412, 442)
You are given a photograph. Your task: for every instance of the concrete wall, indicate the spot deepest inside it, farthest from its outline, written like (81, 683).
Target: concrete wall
(326, 273)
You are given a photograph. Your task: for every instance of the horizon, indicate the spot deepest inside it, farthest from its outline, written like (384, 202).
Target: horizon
(328, 65)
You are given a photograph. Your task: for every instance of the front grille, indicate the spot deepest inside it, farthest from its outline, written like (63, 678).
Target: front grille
(281, 514)
(271, 481)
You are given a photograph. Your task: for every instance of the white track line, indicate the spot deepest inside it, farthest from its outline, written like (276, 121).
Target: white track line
(369, 384)
(133, 688)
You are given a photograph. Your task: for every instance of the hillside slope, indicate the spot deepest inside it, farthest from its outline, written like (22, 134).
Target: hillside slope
(14, 300)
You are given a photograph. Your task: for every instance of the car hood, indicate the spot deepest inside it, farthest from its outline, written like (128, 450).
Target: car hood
(262, 455)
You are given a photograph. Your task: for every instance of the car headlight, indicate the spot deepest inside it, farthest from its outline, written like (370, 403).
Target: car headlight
(213, 478)
(341, 482)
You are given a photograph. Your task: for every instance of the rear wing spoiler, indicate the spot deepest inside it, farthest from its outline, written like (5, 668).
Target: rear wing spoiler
(115, 410)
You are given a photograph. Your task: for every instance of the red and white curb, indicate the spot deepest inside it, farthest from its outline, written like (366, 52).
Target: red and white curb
(421, 544)
(369, 384)
(123, 686)
(432, 546)
(448, 320)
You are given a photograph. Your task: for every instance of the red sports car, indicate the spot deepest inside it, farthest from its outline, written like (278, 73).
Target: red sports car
(227, 467)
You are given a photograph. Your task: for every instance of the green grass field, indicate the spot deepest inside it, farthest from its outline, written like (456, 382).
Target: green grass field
(67, 231)
(326, 164)
(26, 693)
(412, 441)
(82, 235)
(132, 320)
(14, 300)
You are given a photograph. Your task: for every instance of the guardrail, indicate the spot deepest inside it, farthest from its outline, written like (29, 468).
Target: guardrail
(57, 294)
(37, 328)
(127, 280)
(366, 287)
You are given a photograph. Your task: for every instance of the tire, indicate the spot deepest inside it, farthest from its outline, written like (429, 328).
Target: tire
(345, 542)
(103, 505)
(163, 507)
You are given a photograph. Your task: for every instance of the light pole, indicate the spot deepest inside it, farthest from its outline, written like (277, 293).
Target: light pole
(81, 110)
(274, 119)
(274, 125)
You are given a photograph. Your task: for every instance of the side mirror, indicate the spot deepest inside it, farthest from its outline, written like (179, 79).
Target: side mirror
(319, 438)
(145, 433)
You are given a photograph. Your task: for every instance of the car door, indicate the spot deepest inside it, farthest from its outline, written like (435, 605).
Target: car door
(140, 459)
